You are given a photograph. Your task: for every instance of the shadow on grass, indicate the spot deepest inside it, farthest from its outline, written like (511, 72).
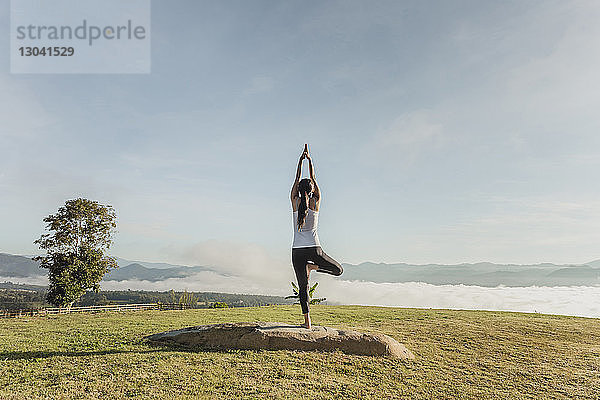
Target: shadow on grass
(155, 348)
(30, 355)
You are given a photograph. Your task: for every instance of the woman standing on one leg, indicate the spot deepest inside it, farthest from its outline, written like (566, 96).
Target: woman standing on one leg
(306, 198)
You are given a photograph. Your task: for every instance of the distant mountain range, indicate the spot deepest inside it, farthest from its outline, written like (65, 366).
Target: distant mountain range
(480, 274)
(19, 267)
(140, 272)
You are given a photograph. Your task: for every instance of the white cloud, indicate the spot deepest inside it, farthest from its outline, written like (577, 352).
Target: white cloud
(560, 83)
(516, 230)
(407, 137)
(240, 259)
(260, 84)
(582, 301)
(206, 281)
(32, 280)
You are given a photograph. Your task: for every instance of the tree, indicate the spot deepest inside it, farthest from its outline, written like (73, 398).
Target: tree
(80, 234)
(311, 292)
(188, 299)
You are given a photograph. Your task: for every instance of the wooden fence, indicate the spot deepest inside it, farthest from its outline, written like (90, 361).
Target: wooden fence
(91, 309)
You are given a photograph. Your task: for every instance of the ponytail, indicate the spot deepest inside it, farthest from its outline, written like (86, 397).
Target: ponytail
(304, 188)
(302, 210)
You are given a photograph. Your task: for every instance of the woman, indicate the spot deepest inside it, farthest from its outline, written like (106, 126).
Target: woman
(307, 254)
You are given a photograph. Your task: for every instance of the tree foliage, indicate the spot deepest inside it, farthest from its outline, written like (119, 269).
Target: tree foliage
(201, 299)
(187, 298)
(76, 259)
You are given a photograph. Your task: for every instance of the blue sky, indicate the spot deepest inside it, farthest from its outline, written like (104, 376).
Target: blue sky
(441, 132)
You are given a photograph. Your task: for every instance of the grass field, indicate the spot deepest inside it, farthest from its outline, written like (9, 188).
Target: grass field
(459, 354)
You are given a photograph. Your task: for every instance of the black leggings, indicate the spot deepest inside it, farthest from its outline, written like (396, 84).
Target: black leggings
(300, 257)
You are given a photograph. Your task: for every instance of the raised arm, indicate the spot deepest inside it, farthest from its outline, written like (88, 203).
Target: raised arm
(294, 192)
(311, 169)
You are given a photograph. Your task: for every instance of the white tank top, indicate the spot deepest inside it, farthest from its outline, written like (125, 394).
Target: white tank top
(307, 236)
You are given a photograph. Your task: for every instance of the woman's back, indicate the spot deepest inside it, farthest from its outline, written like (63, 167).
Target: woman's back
(307, 236)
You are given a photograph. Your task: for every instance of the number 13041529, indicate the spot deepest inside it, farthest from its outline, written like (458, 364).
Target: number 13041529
(55, 51)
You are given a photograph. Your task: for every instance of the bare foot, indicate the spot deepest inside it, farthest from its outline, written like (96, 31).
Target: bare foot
(310, 267)
(307, 326)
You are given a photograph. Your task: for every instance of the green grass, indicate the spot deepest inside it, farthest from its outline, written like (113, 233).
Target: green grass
(459, 354)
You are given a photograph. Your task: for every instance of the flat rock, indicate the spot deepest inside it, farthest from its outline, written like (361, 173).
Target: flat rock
(278, 336)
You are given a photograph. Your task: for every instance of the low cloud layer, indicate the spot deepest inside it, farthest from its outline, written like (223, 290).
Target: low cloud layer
(576, 300)
(579, 300)
(207, 281)
(31, 280)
